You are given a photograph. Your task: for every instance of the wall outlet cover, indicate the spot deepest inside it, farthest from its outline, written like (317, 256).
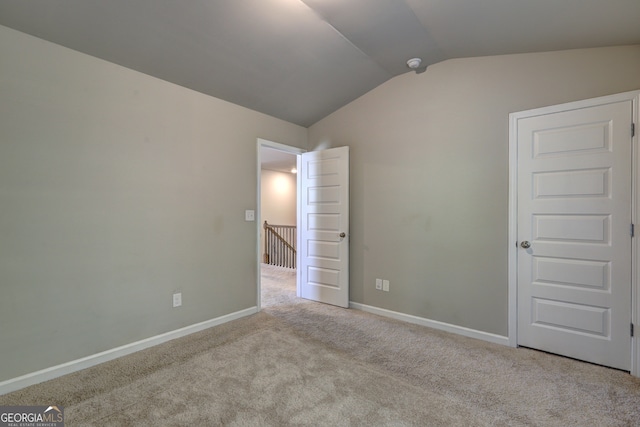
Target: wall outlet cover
(379, 284)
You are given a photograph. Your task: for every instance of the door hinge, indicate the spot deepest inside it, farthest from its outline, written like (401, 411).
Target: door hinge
(632, 230)
(632, 329)
(633, 129)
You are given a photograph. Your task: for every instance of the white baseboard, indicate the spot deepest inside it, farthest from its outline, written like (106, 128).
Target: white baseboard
(460, 330)
(86, 362)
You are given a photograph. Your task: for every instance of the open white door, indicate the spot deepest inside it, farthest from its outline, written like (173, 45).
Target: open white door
(323, 249)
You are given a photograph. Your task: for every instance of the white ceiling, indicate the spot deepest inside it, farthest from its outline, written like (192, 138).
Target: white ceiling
(300, 60)
(277, 160)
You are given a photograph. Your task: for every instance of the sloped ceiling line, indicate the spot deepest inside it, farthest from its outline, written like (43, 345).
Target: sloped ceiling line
(301, 60)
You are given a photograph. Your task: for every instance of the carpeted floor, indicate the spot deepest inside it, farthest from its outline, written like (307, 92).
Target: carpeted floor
(303, 363)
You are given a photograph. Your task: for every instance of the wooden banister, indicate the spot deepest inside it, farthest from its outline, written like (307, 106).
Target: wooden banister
(279, 245)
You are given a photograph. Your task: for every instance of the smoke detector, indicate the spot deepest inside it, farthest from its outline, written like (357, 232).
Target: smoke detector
(414, 63)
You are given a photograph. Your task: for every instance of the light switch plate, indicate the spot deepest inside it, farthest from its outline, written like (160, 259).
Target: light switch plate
(249, 215)
(177, 299)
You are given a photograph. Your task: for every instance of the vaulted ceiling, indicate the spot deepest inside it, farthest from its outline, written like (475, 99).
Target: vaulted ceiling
(300, 60)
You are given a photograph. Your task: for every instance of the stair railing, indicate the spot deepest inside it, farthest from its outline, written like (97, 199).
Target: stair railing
(280, 245)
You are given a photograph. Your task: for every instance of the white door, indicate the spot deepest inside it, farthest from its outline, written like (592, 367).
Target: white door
(574, 240)
(323, 264)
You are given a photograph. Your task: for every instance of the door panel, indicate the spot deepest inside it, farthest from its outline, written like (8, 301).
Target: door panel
(571, 228)
(574, 209)
(571, 272)
(571, 317)
(324, 204)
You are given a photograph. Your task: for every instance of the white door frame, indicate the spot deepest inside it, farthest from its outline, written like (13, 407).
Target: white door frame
(263, 143)
(634, 97)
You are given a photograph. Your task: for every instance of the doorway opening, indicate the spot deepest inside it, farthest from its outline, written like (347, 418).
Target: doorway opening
(277, 217)
(322, 219)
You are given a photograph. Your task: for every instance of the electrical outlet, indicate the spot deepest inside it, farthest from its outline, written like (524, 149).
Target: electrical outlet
(177, 299)
(385, 285)
(379, 284)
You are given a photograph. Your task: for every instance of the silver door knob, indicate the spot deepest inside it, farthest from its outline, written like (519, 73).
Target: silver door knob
(525, 244)
(342, 234)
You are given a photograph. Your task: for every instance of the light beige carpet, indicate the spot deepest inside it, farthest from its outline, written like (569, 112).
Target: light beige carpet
(303, 363)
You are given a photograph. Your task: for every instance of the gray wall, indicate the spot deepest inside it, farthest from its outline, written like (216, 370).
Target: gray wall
(278, 197)
(429, 175)
(117, 189)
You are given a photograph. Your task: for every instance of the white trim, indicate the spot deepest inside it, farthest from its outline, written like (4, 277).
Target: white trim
(287, 149)
(447, 327)
(299, 225)
(95, 359)
(512, 250)
(635, 246)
